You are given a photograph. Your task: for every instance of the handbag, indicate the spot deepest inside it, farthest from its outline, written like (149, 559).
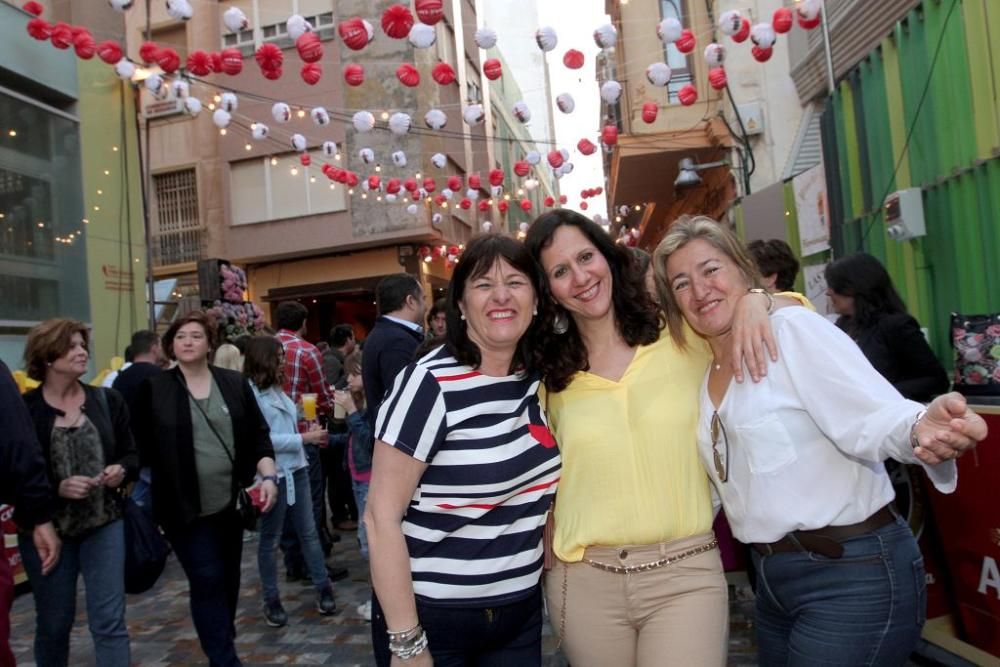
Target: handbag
(246, 510)
(976, 339)
(146, 549)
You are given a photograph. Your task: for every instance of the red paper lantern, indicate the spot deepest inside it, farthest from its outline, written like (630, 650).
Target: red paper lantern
(781, 21)
(525, 204)
(41, 30)
(305, 159)
(269, 56)
(216, 61)
(599, 190)
(354, 74)
(62, 35)
(272, 74)
(585, 193)
(484, 205)
(609, 135)
(454, 250)
(408, 75)
(717, 78)
(687, 95)
(555, 159)
(232, 61)
(496, 177)
(410, 185)
(440, 200)
(586, 147)
(492, 69)
(148, 51)
(649, 112)
(454, 183)
(475, 181)
(397, 21)
(392, 186)
(343, 176)
(741, 35)
(573, 59)
(430, 11)
(583, 206)
(687, 41)
(550, 201)
(563, 199)
(503, 206)
(199, 63)
(761, 55)
(312, 73)
(109, 51)
(522, 168)
(84, 45)
(352, 179)
(429, 184)
(374, 182)
(353, 33)
(465, 204)
(33, 8)
(809, 24)
(309, 47)
(424, 251)
(443, 73)
(168, 60)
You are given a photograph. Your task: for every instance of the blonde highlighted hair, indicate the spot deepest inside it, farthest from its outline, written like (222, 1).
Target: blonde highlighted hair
(689, 228)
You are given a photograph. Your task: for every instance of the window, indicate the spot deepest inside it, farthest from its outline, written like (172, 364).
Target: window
(260, 191)
(178, 230)
(242, 38)
(679, 63)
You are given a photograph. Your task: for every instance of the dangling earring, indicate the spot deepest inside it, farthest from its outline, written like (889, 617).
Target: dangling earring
(560, 323)
(462, 316)
(534, 312)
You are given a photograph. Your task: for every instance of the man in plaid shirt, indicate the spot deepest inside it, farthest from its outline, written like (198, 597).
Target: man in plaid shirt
(304, 375)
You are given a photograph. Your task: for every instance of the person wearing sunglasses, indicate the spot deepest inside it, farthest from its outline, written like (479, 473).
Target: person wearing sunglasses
(797, 461)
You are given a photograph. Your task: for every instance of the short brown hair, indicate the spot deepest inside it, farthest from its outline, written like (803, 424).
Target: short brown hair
(262, 364)
(207, 323)
(50, 340)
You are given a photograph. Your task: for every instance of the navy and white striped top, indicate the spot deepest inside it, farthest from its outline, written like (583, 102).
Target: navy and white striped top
(474, 526)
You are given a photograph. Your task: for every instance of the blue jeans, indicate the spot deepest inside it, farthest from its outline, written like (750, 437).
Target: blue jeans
(209, 549)
(865, 608)
(100, 558)
(271, 524)
(361, 499)
(294, 561)
(504, 636)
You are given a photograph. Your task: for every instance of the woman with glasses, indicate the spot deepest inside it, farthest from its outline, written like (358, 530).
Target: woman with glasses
(797, 461)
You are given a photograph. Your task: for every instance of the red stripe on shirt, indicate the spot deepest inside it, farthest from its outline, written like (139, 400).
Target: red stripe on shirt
(461, 376)
(488, 506)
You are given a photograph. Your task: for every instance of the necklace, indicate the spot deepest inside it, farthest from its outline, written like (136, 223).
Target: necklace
(716, 365)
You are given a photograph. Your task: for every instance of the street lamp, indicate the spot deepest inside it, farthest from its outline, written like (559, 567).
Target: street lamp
(688, 176)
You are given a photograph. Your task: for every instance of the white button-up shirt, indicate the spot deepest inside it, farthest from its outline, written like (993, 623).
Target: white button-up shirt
(808, 442)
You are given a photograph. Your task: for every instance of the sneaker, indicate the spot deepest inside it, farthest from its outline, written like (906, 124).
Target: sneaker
(365, 610)
(275, 614)
(325, 604)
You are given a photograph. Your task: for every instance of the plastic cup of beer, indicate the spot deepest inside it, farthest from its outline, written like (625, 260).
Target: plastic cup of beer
(309, 406)
(339, 412)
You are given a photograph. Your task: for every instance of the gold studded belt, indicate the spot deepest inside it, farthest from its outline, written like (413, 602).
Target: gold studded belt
(652, 565)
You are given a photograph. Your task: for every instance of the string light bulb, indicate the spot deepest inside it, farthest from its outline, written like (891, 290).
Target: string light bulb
(302, 113)
(295, 171)
(274, 162)
(222, 131)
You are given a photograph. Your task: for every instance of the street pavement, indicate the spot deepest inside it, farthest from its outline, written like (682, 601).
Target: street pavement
(162, 634)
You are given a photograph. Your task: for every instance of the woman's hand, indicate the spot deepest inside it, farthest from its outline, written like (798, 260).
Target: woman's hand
(317, 436)
(113, 476)
(947, 429)
(78, 487)
(752, 336)
(345, 400)
(268, 495)
(424, 659)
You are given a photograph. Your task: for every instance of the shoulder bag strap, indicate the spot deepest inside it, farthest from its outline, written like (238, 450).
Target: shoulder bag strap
(208, 421)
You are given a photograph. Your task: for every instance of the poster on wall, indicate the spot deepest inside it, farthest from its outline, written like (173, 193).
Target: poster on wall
(812, 210)
(815, 280)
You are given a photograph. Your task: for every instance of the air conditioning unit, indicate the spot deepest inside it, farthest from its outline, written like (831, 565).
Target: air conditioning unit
(904, 215)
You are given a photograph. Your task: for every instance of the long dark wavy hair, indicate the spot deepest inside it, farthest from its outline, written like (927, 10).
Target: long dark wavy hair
(639, 321)
(863, 277)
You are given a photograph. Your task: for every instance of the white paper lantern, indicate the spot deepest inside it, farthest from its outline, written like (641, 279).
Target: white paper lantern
(530, 184)
(439, 160)
(486, 38)
(192, 105)
(715, 55)
(297, 26)
(623, 210)
(421, 193)
(369, 29)
(496, 191)
(121, 5)
(730, 22)
(448, 194)
(228, 102)
(222, 118)
(546, 38)
(611, 91)
(522, 112)
(566, 103)
(474, 114)
(399, 123)
(363, 121)
(125, 69)
(259, 131)
(390, 198)
(412, 208)
(763, 35)
(179, 10)
(154, 84)
(435, 119)
(281, 112)
(606, 36)
(436, 219)
(422, 36)
(365, 186)
(567, 168)
(320, 116)
(809, 9)
(298, 142)
(472, 194)
(487, 227)
(533, 157)
(399, 158)
(669, 30)
(658, 74)
(235, 19)
(565, 154)
(367, 155)
(180, 88)
(329, 148)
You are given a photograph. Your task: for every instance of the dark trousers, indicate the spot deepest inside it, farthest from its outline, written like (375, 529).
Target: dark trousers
(290, 545)
(209, 550)
(6, 599)
(338, 484)
(504, 636)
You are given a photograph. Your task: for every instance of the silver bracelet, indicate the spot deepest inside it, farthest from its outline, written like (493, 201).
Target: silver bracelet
(914, 443)
(408, 644)
(770, 297)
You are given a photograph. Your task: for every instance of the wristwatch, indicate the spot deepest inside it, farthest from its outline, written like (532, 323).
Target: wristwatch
(273, 478)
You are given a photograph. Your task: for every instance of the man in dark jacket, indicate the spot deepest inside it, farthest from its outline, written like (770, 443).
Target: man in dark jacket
(394, 339)
(24, 483)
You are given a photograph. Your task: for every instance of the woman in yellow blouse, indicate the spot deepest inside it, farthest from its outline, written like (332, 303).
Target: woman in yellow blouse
(637, 578)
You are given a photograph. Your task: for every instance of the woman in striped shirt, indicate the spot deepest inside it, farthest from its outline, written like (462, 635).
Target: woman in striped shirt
(464, 472)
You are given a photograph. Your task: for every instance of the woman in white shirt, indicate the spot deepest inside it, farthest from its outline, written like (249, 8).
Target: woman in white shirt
(797, 460)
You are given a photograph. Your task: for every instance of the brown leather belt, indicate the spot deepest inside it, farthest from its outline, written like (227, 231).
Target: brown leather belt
(827, 541)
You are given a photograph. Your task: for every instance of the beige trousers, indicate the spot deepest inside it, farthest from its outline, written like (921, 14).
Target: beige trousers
(676, 614)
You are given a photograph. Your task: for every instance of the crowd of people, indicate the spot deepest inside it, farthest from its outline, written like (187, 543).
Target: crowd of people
(558, 432)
